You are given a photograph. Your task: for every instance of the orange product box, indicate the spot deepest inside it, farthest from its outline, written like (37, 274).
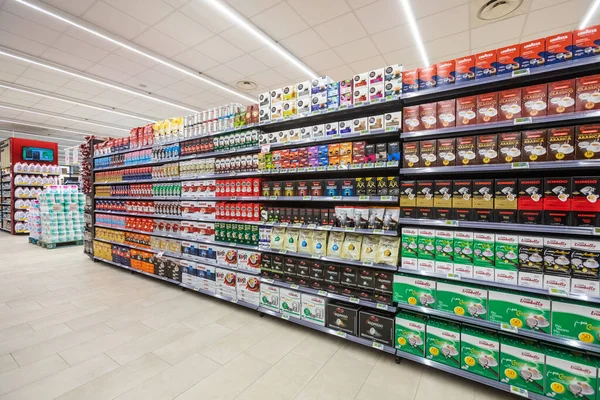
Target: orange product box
(427, 76)
(586, 42)
(465, 68)
(487, 107)
(532, 53)
(558, 47)
(410, 81)
(466, 110)
(508, 59)
(446, 72)
(485, 64)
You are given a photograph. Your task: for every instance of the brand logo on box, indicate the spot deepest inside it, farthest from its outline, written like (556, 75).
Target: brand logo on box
(530, 355)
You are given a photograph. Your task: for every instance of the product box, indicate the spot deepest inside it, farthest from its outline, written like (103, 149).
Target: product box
(414, 290)
(561, 144)
(487, 149)
(531, 249)
(446, 152)
(318, 102)
(506, 249)
(410, 81)
(290, 302)
(393, 81)
(563, 368)
(485, 64)
(226, 283)
(276, 96)
(509, 146)
(557, 282)
(376, 92)
(426, 244)
(557, 197)
(465, 68)
(462, 194)
(270, 297)
(521, 310)
(462, 299)
(410, 333)
(412, 121)
(561, 97)
(424, 193)
(585, 258)
(428, 116)
(359, 125)
(585, 286)
(410, 237)
(533, 53)
(484, 258)
(445, 73)
(446, 113)
(587, 93)
(427, 77)
(428, 150)
(466, 150)
(442, 194)
(248, 288)
(531, 279)
(375, 123)
(264, 100)
(463, 252)
(480, 352)
(509, 104)
(392, 121)
(587, 142)
(574, 320)
(411, 155)
(535, 100)
(345, 127)
(361, 95)
(530, 195)
(377, 326)
(319, 85)
(487, 107)
(313, 308)
(586, 42)
(303, 89)
(559, 48)
(444, 246)
(534, 144)
(466, 110)
(483, 197)
(443, 342)
(508, 59)
(522, 364)
(343, 317)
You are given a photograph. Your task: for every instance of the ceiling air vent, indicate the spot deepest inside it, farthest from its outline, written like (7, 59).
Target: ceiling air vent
(496, 9)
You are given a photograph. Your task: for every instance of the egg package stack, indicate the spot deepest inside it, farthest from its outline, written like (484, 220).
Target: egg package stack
(61, 214)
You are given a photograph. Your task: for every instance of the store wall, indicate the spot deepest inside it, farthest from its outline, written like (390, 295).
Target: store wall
(17, 145)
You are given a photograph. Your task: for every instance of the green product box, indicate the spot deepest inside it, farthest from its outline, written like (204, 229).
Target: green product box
(521, 310)
(410, 333)
(218, 231)
(443, 342)
(444, 246)
(254, 233)
(506, 252)
(576, 321)
(570, 375)
(480, 352)
(462, 299)
(463, 247)
(414, 290)
(248, 234)
(426, 244)
(228, 232)
(483, 246)
(522, 364)
(409, 242)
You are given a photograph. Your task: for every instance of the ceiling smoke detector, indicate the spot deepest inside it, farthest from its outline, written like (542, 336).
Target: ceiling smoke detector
(246, 85)
(496, 9)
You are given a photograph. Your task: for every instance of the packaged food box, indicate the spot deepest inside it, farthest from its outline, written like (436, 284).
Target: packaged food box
(521, 310)
(569, 372)
(377, 326)
(462, 299)
(522, 364)
(443, 342)
(533, 53)
(414, 290)
(410, 333)
(270, 297)
(480, 352)
(313, 308)
(343, 317)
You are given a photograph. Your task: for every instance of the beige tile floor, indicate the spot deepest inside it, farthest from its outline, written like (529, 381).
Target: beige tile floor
(74, 329)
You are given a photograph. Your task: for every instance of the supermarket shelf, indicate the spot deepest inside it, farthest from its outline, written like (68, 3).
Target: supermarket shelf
(468, 375)
(241, 150)
(360, 302)
(378, 133)
(567, 230)
(332, 228)
(140, 164)
(205, 261)
(126, 182)
(329, 331)
(595, 349)
(132, 246)
(158, 198)
(346, 199)
(528, 76)
(218, 296)
(162, 278)
(503, 126)
(5, 230)
(36, 173)
(331, 259)
(543, 292)
(515, 167)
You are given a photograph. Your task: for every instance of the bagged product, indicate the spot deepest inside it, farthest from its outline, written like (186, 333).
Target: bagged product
(370, 245)
(319, 243)
(305, 243)
(387, 251)
(334, 244)
(291, 240)
(352, 246)
(277, 237)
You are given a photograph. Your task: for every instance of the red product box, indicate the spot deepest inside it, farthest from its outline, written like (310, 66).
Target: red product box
(411, 122)
(428, 115)
(535, 98)
(485, 64)
(446, 72)
(466, 110)
(465, 68)
(531, 194)
(558, 47)
(586, 42)
(427, 77)
(561, 97)
(509, 104)
(586, 193)
(410, 81)
(587, 93)
(557, 194)
(446, 112)
(532, 53)
(487, 107)
(508, 59)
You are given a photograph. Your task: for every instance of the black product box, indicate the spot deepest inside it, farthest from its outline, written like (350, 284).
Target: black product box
(300, 215)
(425, 212)
(382, 187)
(384, 281)
(463, 214)
(276, 275)
(285, 214)
(276, 189)
(506, 216)
(365, 294)
(381, 152)
(383, 297)
(330, 215)
(462, 193)
(266, 188)
(277, 263)
(348, 187)
(302, 281)
(343, 317)
(483, 215)
(370, 153)
(310, 216)
(366, 278)
(265, 261)
(348, 275)
(290, 265)
(265, 273)
(442, 193)
(348, 291)
(289, 278)
(408, 212)
(371, 184)
(289, 188)
(531, 217)
(377, 326)
(317, 284)
(302, 188)
(266, 214)
(332, 287)
(332, 273)
(393, 185)
(585, 218)
(361, 187)
(557, 217)
(317, 188)
(483, 194)
(332, 187)
(317, 270)
(442, 213)
(303, 267)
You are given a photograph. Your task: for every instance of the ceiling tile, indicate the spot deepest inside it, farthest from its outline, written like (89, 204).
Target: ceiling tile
(239, 37)
(392, 39)
(341, 30)
(147, 11)
(224, 74)
(159, 79)
(316, 11)
(339, 73)
(475, 50)
(367, 64)
(176, 3)
(269, 79)
(444, 24)
(53, 105)
(357, 50)
(38, 18)
(304, 43)
(381, 15)
(73, 93)
(206, 15)
(23, 44)
(113, 97)
(359, 3)
(219, 49)
(72, 7)
(183, 29)
(191, 86)
(537, 4)
(545, 33)
(290, 72)
(85, 87)
(448, 45)
(12, 65)
(123, 65)
(424, 8)
(559, 15)
(490, 34)
(6, 113)
(60, 57)
(81, 49)
(279, 21)
(113, 20)
(44, 75)
(324, 60)
(405, 56)
(160, 43)
(27, 29)
(108, 73)
(251, 8)
(246, 65)
(195, 60)
(91, 39)
(10, 100)
(269, 57)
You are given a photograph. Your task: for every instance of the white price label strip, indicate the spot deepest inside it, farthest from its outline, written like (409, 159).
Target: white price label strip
(377, 346)
(509, 328)
(519, 392)
(341, 334)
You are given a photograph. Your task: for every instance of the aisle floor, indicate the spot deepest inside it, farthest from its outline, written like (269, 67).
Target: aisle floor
(74, 329)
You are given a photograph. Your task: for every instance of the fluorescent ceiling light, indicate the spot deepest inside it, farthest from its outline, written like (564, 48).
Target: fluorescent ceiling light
(52, 115)
(49, 127)
(240, 21)
(414, 29)
(40, 93)
(69, 19)
(45, 64)
(589, 14)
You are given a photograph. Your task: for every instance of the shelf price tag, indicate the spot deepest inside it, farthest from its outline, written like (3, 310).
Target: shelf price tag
(382, 306)
(332, 168)
(303, 169)
(321, 168)
(377, 346)
(336, 136)
(233, 198)
(451, 222)
(341, 334)
(367, 263)
(453, 276)
(272, 197)
(336, 198)
(364, 198)
(378, 231)
(519, 165)
(297, 225)
(368, 165)
(386, 198)
(265, 280)
(350, 229)
(596, 231)
(509, 328)
(522, 120)
(232, 173)
(519, 392)
(294, 286)
(355, 166)
(558, 292)
(325, 228)
(234, 300)
(354, 300)
(284, 224)
(364, 133)
(285, 316)
(282, 251)
(342, 166)
(291, 170)
(160, 254)
(283, 171)
(393, 164)
(520, 72)
(311, 169)
(380, 164)
(322, 293)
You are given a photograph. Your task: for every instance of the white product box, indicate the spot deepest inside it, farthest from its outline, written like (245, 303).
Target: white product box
(293, 135)
(226, 256)
(376, 76)
(248, 288)
(426, 265)
(303, 105)
(345, 127)
(264, 114)
(375, 123)
(305, 133)
(557, 282)
(264, 100)
(361, 95)
(319, 85)
(359, 125)
(289, 92)
(188, 273)
(483, 273)
(283, 137)
(443, 267)
(463, 270)
(318, 131)
(392, 121)
(409, 263)
(206, 279)
(531, 279)
(270, 297)
(313, 309)
(303, 89)
(226, 283)
(291, 302)
(318, 102)
(393, 82)
(248, 260)
(376, 92)
(584, 286)
(276, 111)
(505, 276)
(361, 80)
(276, 96)
(331, 129)
(289, 108)
(393, 72)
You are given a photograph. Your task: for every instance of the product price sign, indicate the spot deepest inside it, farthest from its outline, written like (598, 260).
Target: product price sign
(297, 225)
(368, 263)
(282, 251)
(233, 198)
(160, 254)
(306, 198)
(368, 165)
(265, 280)
(272, 197)
(311, 169)
(378, 231)
(519, 165)
(451, 222)
(558, 292)
(294, 286)
(350, 229)
(303, 169)
(293, 170)
(355, 166)
(364, 198)
(364, 133)
(453, 276)
(393, 164)
(311, 226)
(233, 300)
(325, 228)
(284, 224)
(377, 346)
(322, 293)
(522, 120)
(386, 198)
(321, 168)
(336, 198)
(336, 136)
(382, 306)
(596, 231)
(341, 334)
(285, 316)
(520, 72)
(380, 164)
(354, 300)
(332, 168)
(232, 173)
(509, 328)
(518, 391)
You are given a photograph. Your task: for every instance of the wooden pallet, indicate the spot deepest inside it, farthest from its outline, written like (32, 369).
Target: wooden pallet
(46, 245)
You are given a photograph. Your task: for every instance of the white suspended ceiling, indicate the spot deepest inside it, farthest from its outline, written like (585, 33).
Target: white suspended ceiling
(332, 37)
